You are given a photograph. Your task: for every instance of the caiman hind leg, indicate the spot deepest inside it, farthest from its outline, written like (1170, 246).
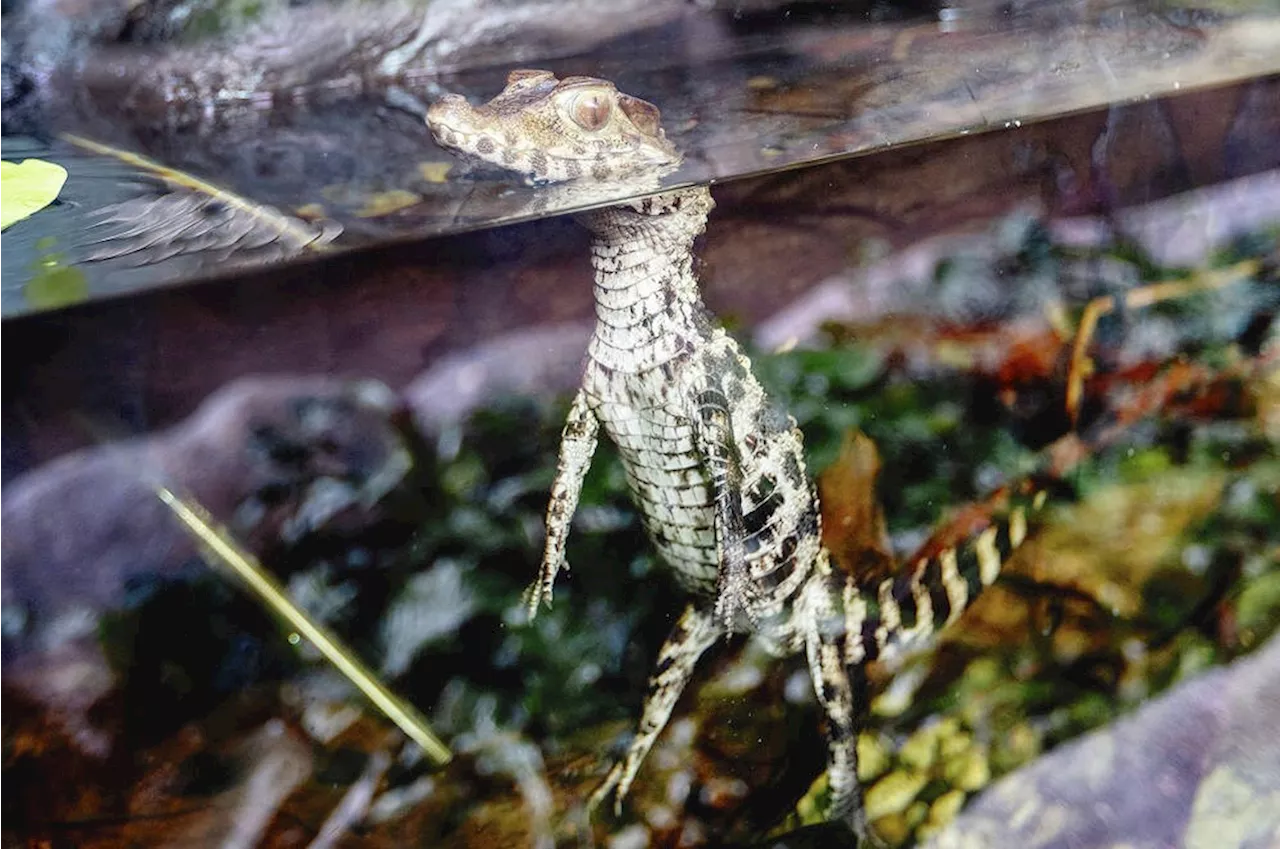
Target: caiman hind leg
(577, 446)
(694, 633)
(833, 647)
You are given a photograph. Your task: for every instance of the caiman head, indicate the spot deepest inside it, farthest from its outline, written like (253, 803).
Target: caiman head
(552, 131)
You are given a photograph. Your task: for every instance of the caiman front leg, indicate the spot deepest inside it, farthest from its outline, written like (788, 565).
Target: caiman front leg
(577, 446)
(713, 433)
(695, 632)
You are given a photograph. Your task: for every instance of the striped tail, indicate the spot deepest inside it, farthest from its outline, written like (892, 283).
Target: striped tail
(946, 575)
(852, 624)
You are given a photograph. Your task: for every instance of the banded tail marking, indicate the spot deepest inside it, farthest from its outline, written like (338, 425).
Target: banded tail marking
(906, 608)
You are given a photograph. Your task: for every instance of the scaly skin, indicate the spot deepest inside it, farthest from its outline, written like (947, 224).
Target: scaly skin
(716, 470)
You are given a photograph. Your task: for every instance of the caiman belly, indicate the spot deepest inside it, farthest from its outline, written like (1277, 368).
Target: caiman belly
(665, 475)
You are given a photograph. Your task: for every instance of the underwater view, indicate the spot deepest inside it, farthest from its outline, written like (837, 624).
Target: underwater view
(718, 424)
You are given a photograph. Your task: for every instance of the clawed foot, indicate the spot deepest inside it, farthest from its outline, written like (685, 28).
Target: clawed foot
(534, 598)
(539, 593)
(856, 819)
(862, 831)
(846, 805)
(614, 785)
(538, 596)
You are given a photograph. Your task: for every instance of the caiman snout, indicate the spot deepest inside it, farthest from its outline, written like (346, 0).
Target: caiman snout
(445, 115)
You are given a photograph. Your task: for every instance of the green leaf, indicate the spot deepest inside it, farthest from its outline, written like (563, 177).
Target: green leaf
(56, 286)
(27, 187)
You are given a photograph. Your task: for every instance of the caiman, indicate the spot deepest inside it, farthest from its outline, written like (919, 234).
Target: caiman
(716, 470)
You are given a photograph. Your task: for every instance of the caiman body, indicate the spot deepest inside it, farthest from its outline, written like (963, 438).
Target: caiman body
(673, 391)
(716, 470)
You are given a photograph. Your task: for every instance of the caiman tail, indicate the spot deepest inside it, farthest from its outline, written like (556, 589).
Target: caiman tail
(853, 622)
(944, 577)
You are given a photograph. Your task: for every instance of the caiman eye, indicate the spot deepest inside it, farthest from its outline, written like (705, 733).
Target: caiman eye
(591, 111)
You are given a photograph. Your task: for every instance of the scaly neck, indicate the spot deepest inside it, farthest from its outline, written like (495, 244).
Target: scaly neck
(647, 299)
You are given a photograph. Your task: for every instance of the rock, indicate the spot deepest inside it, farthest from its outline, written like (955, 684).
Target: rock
(1197, 767)
(279, 456)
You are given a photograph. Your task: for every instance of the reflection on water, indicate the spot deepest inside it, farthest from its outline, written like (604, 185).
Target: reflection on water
(318, 107)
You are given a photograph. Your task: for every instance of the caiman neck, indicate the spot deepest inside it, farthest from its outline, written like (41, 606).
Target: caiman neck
(645, 289)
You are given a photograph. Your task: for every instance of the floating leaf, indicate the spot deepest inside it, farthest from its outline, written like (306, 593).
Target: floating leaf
(56, 286)
(435, 172)
(310, 211)
(385, 203)
(29, 186)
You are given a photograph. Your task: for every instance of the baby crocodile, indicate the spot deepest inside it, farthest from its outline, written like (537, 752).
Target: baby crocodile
(716, 470)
